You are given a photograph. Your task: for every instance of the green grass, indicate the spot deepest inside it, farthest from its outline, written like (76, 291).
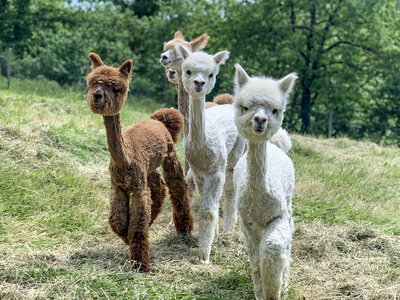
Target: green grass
(55, 242)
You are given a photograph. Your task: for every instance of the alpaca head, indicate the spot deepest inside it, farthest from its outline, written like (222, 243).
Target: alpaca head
(172, 75)
(169, 58)
(260, 103)
(199, 70)
(108, 86)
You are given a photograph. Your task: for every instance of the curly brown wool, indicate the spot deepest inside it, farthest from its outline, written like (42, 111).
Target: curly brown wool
(137, 189)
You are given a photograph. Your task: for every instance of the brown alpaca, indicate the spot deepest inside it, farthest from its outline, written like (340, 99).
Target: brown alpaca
(137, 189)
(220, 99)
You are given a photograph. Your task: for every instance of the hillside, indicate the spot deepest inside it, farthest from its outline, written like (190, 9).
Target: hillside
(55, 242)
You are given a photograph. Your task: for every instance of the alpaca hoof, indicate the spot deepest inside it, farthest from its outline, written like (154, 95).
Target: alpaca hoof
(205, 261)
(135, 265)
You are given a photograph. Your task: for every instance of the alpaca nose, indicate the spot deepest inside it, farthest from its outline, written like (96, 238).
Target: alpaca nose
(199, 83)
(164, 59)
(98, 95)
(260, 119)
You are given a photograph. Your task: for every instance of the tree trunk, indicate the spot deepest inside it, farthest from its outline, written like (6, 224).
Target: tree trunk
(330, 125)
(305, 110)
(9, 68)
(165, 92)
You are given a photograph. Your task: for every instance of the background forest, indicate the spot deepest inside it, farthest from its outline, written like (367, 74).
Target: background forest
(346, 52)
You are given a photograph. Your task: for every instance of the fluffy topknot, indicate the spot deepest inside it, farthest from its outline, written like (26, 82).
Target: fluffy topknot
(172, 119)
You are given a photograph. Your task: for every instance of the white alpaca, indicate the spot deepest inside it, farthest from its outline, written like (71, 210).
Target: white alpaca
(172, 61)
(213, 145)
(264, 180)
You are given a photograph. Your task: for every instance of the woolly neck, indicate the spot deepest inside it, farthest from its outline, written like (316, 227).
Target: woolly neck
(183, 104)
(115, 141)
(257, 162)
(197, 113)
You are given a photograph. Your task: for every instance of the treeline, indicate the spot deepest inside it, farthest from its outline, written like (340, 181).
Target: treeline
(346, 52)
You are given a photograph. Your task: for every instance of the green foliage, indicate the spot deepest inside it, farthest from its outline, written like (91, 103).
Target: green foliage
(345, 52)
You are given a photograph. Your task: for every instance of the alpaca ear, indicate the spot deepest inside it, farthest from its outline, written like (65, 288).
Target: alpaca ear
(221, 57)
(182, 50)
(286, 84)
(96, 60)
(199, 43)
(126, 68)
(178, 35)
(241, 77)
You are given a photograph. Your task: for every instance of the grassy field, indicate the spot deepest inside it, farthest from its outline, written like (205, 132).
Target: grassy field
(55, 242)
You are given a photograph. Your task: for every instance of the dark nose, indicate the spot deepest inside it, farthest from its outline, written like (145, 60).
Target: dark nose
(98, 95)
(199, 83)
(260, 120)
(164, 57)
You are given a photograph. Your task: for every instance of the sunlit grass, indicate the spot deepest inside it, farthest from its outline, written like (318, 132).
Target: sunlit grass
(55, 242)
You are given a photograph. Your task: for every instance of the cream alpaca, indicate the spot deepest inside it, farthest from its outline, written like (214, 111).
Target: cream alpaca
(213, 145)
(264, 181)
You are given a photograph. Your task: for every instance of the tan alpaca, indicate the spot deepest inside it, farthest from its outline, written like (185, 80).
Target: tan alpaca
(137, 189)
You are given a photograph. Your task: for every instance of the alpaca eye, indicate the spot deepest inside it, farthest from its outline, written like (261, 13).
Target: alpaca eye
(244, 109)
(274, 111)
(116, 91)
(211, 75)
(188, 72)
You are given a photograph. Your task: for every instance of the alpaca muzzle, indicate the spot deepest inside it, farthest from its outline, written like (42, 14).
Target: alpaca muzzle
(260, 122)
(165, 59)
(98, 98)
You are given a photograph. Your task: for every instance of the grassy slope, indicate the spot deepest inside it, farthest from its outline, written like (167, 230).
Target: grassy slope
(55, 241)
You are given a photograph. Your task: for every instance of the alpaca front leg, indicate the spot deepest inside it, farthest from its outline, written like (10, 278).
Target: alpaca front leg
(230, 206)
(252, 247)
(208, 216)
(138, 234)
(175, 180)
(275, 257)
(119, 212)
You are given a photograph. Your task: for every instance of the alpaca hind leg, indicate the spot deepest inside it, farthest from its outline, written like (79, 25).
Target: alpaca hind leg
(158, 191)
(230, 206)
(138, 234)
(175, 180)
(286, 271)
(191, 186)
(119, 212)
(208, 216)
(275, 257)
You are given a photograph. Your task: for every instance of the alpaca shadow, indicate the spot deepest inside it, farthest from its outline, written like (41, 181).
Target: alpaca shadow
(107, 257)
(229, 285)
(173, 246)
